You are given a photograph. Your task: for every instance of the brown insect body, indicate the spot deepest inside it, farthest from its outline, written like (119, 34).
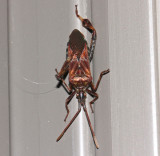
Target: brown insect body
(79, 69)
(77, 42)
(78, 65)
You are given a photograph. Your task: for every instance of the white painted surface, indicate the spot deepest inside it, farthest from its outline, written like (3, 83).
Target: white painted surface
(101, 62)
(126, 113)
(134, 77)
(4, 91)
(39, 32)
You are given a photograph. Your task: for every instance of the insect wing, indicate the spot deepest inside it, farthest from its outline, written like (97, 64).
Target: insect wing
(84, 61)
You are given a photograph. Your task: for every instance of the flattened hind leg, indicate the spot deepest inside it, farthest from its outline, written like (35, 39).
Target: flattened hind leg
(88, 25)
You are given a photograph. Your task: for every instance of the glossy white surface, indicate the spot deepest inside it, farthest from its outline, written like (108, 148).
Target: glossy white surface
(82, 142)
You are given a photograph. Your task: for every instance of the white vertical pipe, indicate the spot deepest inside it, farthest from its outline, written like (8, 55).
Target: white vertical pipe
(158, 49)
(154, 73)
(82, 140)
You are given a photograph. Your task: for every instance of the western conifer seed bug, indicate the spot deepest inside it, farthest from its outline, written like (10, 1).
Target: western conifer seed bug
(77, 64)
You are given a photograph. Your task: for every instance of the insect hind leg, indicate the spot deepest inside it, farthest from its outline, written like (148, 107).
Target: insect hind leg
(75, 116)
(88, 25)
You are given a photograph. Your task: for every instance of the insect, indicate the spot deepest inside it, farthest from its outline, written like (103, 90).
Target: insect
(77, 64)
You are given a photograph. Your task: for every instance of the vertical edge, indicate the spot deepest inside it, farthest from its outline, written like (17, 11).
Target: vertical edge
(153, 32)
(157, 34)
(4, 85)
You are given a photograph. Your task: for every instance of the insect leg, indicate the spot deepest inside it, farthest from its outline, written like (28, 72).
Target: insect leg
(88, 25)
(89, 122)
(94, 89)
(67, 102)
(94, 95)
(63, 70)
(79, 109)
(64, 83)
